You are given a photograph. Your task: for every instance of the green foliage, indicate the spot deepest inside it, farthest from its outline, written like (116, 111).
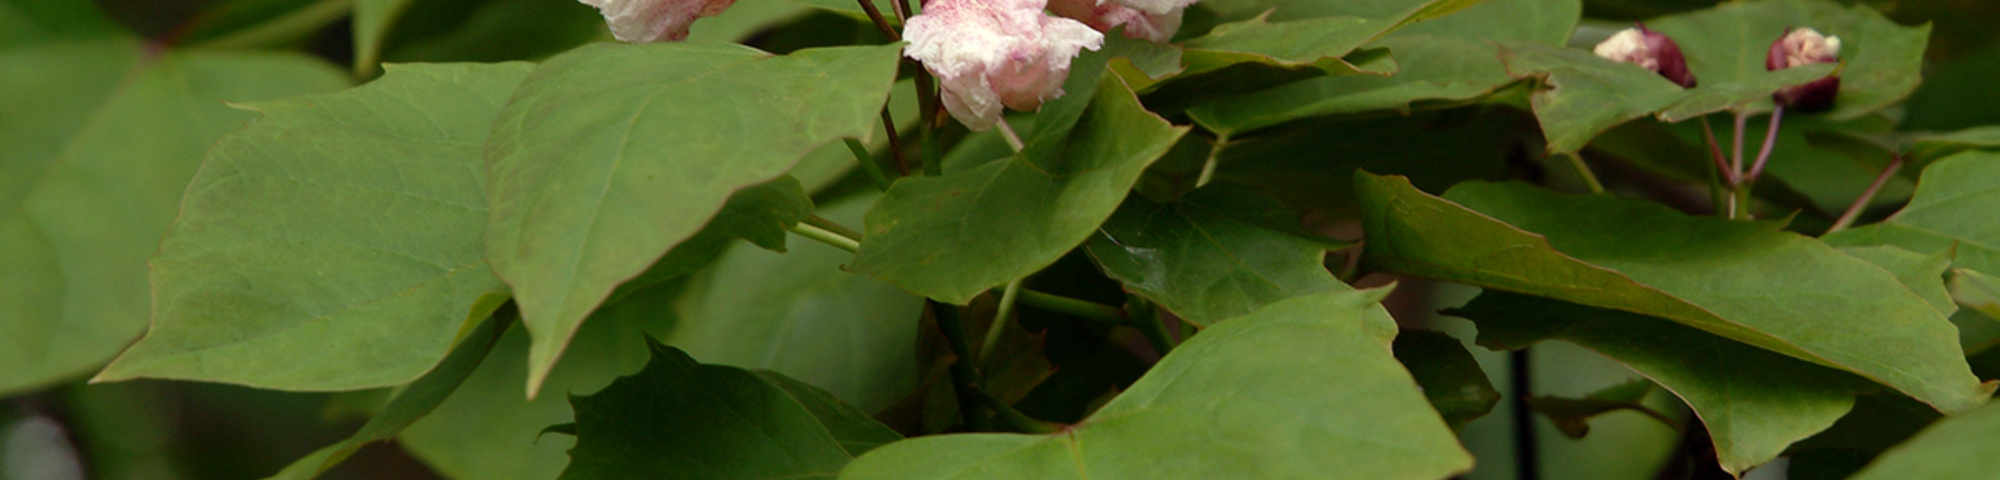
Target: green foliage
(1159, 280)
(1324, 395)
(581, 202)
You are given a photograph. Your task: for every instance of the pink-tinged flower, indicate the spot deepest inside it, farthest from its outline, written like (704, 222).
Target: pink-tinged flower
(1104, 16)
(643, 21)
(990, 54)
(1798, 48)
(1649, 49)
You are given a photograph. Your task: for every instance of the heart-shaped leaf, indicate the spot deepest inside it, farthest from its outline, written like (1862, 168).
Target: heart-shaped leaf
(101, 138)
(336, 243)
(610, 155)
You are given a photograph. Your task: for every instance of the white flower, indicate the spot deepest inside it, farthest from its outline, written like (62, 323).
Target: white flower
(643, 21)
(1156, 7)
(1802, 47)
(1650, 50)
(1629, 46)
(989, 54)
(1104, 16)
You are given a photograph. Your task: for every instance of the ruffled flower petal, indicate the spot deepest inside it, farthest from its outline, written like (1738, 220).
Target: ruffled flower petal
(1649, 49)
(994, 54)
(1801, 47)
(644, 21)
(1105, 16)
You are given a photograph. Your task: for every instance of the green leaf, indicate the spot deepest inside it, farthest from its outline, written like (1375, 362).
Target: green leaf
(500, 30)
(1452, 380)
(1754, 402)
(1952, 212)
(1925, 148)
(1311, 166)
(1882, 61)
(610, 155)
(1300, 43)
(1922, 274)
(336, 243)
(413, 401)
(101, 140)
(27, 22)
(1744, 281)
(1295, 390)
(372, 19)
(1447, 59)
(761, 214)
(1582, 95)
(1572, 415)
(955, 236)
(725, 422)
(1956, 447)
(801, 315)
(1977, 291)
(487, 430)
(1219, 252)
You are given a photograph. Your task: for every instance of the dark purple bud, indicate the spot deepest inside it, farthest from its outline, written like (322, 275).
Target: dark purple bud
(1801, 47)
(1649, 49)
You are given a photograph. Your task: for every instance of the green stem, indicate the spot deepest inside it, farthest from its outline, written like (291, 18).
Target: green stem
(1854, 211)
(1020, 422)
(837, 229)
(868, 163)
(1001, 316)
(1583, 171)
(291, 26)
(1720, 180)
(822, 235)
(963, 378)
(1146, 317)
(1214, 157)
(1080, 308)
(1007, 133)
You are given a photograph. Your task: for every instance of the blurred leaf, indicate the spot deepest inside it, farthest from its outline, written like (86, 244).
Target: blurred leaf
(336, 243)
(1952, 95)
(1446, 59)
(413, 401)
(1296, 389)
(1754, 402)
(1882, 62)
(491, 30)
(800, 314)
(101, 139)
(1745, 281)
(607, 157)
(1572, 415)
(853, 9)
(372, 19)
(1453, 381)
(1956, 447)
(1952, 212)
(725, 422)
(760, 214)
(1311, 166)
(1977, 291)
(1219, 252)
(28, 22)
(1926, 148)
(955, 236)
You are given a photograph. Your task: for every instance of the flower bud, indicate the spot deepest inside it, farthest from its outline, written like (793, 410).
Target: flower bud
(990, 54)
(1105, 15)
(1801, 47)
(1649, 49)
(644, 21)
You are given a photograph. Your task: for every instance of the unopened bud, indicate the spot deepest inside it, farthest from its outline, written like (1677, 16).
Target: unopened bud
(1649, 49)
(1798, 48)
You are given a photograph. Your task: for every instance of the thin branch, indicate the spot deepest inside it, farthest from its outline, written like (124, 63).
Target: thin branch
(875, 15)
(1736, 161)
(827, 237)
(829, 225)
(1020, 422)
(1727, 175)
(1854, 211)
(1583, 170)
(1770, 139)
(1080, 308)
(1008, 297)
(1145, 316)
(868, 163)
(895, 143)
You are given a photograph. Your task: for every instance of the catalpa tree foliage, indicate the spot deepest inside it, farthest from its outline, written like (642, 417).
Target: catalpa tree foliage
(973, 239)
